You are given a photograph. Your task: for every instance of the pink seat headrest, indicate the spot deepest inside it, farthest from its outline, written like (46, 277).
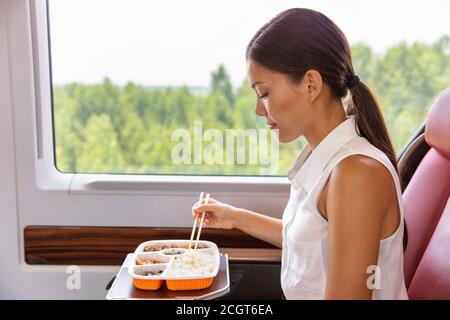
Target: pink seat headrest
(437, 127)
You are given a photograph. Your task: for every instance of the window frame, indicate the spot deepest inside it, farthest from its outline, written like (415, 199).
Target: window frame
(99, 183)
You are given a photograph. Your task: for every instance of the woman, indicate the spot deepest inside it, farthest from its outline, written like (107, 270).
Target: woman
(341, 233)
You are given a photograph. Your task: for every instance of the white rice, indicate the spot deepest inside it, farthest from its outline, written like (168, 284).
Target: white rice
(193, 263)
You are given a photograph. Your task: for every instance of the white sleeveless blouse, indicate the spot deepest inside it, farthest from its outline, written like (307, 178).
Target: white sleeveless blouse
(305, 232)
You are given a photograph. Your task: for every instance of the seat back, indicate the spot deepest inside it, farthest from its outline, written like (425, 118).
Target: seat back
(427, 211)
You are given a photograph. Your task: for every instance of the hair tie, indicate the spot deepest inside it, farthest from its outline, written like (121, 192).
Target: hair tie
(351, 80)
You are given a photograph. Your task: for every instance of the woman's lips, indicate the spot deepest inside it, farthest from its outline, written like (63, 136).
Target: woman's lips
(272, 126)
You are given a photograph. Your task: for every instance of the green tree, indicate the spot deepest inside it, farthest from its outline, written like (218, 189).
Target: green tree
(100, 151)
(220, 81)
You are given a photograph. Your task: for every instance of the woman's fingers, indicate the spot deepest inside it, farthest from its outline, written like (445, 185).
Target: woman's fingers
(203, 202)
(208, 218)
(198, 209)
(211, 200)
(205, 207)
(197, 215)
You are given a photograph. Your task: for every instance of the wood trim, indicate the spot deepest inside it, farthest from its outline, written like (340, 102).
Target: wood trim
(62, 245)
(252, 255)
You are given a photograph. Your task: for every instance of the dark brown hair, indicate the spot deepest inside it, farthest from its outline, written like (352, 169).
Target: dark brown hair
(297, 40)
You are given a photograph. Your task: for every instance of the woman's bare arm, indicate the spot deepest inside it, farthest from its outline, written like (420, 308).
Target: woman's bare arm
(259, 226)
(224, 216)
(358, 198)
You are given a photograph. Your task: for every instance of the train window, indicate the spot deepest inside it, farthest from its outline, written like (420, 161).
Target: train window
(159, 87)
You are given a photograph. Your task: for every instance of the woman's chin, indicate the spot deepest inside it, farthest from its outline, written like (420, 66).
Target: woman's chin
(284, 138)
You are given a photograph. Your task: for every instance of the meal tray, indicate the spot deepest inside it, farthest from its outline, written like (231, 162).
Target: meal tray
(171, 261)
(123, 288)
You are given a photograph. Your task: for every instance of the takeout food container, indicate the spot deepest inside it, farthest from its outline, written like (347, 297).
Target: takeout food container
(158, 261)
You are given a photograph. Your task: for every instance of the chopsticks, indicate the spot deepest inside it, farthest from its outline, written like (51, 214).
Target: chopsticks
(201, 222)
(195, 221)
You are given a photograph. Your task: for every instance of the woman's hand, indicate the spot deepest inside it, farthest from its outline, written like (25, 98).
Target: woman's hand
(217, 214)
(224, 216)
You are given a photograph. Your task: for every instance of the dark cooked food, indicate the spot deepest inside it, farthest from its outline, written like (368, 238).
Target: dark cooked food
(200, 246)
(173, 252)
(152, 273)
(172, 246)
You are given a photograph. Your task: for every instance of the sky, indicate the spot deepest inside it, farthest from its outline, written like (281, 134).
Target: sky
(180, 42)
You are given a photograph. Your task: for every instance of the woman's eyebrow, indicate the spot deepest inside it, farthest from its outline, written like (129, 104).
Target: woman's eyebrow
(255, 83)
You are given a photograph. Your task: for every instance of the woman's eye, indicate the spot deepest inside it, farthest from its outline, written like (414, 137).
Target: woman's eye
(262, 97)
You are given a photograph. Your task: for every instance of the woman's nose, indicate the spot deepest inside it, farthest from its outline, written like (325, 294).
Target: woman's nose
(260, 110)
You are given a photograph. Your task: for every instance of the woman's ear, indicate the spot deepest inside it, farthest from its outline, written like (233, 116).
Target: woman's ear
(314, 83)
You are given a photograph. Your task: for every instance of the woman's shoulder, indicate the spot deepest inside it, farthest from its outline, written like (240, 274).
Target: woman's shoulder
(361, 167)
(358, 153)
(363, 170)
(362, 177)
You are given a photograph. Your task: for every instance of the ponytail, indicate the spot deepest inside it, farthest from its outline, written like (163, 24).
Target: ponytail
(370, 120)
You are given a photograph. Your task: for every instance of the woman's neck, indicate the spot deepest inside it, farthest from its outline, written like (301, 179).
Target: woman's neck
(331, 117)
